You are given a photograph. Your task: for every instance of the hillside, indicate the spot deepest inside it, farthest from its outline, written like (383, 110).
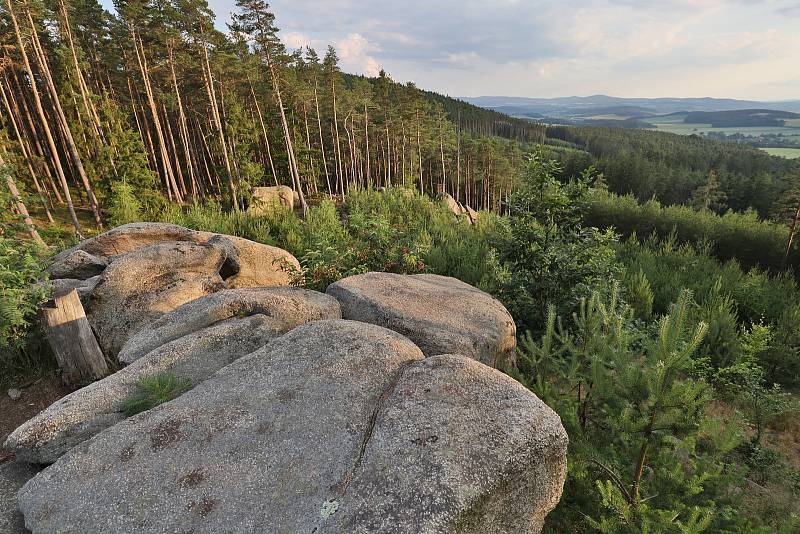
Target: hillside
(745, 117)
(572, 107)
(467, 117)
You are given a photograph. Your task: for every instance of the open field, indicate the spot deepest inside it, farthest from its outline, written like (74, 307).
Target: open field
(675, 118)
(609, 117)
(790, 153)
(688, 129)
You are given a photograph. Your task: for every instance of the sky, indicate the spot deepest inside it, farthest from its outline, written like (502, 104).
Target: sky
(747, 49)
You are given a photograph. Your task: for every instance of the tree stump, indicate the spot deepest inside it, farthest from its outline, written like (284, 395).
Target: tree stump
(73, 342)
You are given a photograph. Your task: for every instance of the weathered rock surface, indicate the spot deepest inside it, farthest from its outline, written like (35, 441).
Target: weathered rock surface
(132, 274)
(451, 203)
(285, 307)
(142, 285)
(194, 341)
(127, 238)
(261, 265)
(472, 214)
(266, 199)
(457, 447)
(337, 426)
(441, 315)
(77, 264)
(84, 287)
(13, 475)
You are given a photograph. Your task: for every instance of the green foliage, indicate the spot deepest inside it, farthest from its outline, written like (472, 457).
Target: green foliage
(709, 196)
(677, 169)
(743, 384)
(21, 269)
(396, 230)
(551, 258)
(155, 390)
(729, 300)
(644, 455)
(124, 207)
(740, 236)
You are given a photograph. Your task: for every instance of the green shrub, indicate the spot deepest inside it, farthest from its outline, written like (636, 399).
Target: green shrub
(740, 236)
(644, 456)
(23, 288)
(396, 231)
(728, 298)
(551, 258)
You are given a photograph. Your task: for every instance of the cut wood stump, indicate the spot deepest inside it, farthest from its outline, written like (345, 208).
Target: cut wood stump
(72, 340)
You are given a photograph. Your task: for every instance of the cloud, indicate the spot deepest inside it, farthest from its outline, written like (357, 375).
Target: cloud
(463, 59)
(790, 11)
(738, 48)
(354, 52)
(296, 40)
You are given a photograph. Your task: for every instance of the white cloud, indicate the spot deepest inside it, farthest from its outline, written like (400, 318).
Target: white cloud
(736, 48)
(463, 59)
(354, 52)
(296, 40)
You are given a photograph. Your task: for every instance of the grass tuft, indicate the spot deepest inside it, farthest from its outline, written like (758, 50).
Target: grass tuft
(154, 390)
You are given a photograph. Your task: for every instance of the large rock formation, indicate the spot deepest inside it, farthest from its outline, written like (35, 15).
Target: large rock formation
(440, 314)
(298, 421)
(131, 275)
(284, 308)
(192, 342)
(144, 284)
(337, 426)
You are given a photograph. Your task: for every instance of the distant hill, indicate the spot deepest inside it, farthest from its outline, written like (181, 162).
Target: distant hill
(743, 118)
(579, 106)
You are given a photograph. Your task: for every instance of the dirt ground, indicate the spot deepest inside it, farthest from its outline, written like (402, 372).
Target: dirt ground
(35, 398)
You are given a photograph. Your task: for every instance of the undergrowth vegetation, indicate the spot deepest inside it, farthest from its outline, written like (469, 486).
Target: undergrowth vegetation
(671, 369)
(735, 235)
(22, 291)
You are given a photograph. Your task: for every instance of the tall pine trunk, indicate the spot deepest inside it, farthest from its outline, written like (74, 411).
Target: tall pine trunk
(44, 123)
(62, 118)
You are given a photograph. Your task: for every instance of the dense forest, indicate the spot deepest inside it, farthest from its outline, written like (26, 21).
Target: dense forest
(677, 169)
(652, 277)
(156, 99)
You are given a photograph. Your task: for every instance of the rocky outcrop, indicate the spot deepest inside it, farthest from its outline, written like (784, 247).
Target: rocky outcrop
(298, 420)
(451, 203)
(336, 426)
(262, 265)
(144, 284)
(192, 342)
(127, 238)
(65, 285)
(472, 214)
(284, 308)
(259, 262)
(266, 199)
(78, 264)
(131, 275)
(458, 208)
(441, 315)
